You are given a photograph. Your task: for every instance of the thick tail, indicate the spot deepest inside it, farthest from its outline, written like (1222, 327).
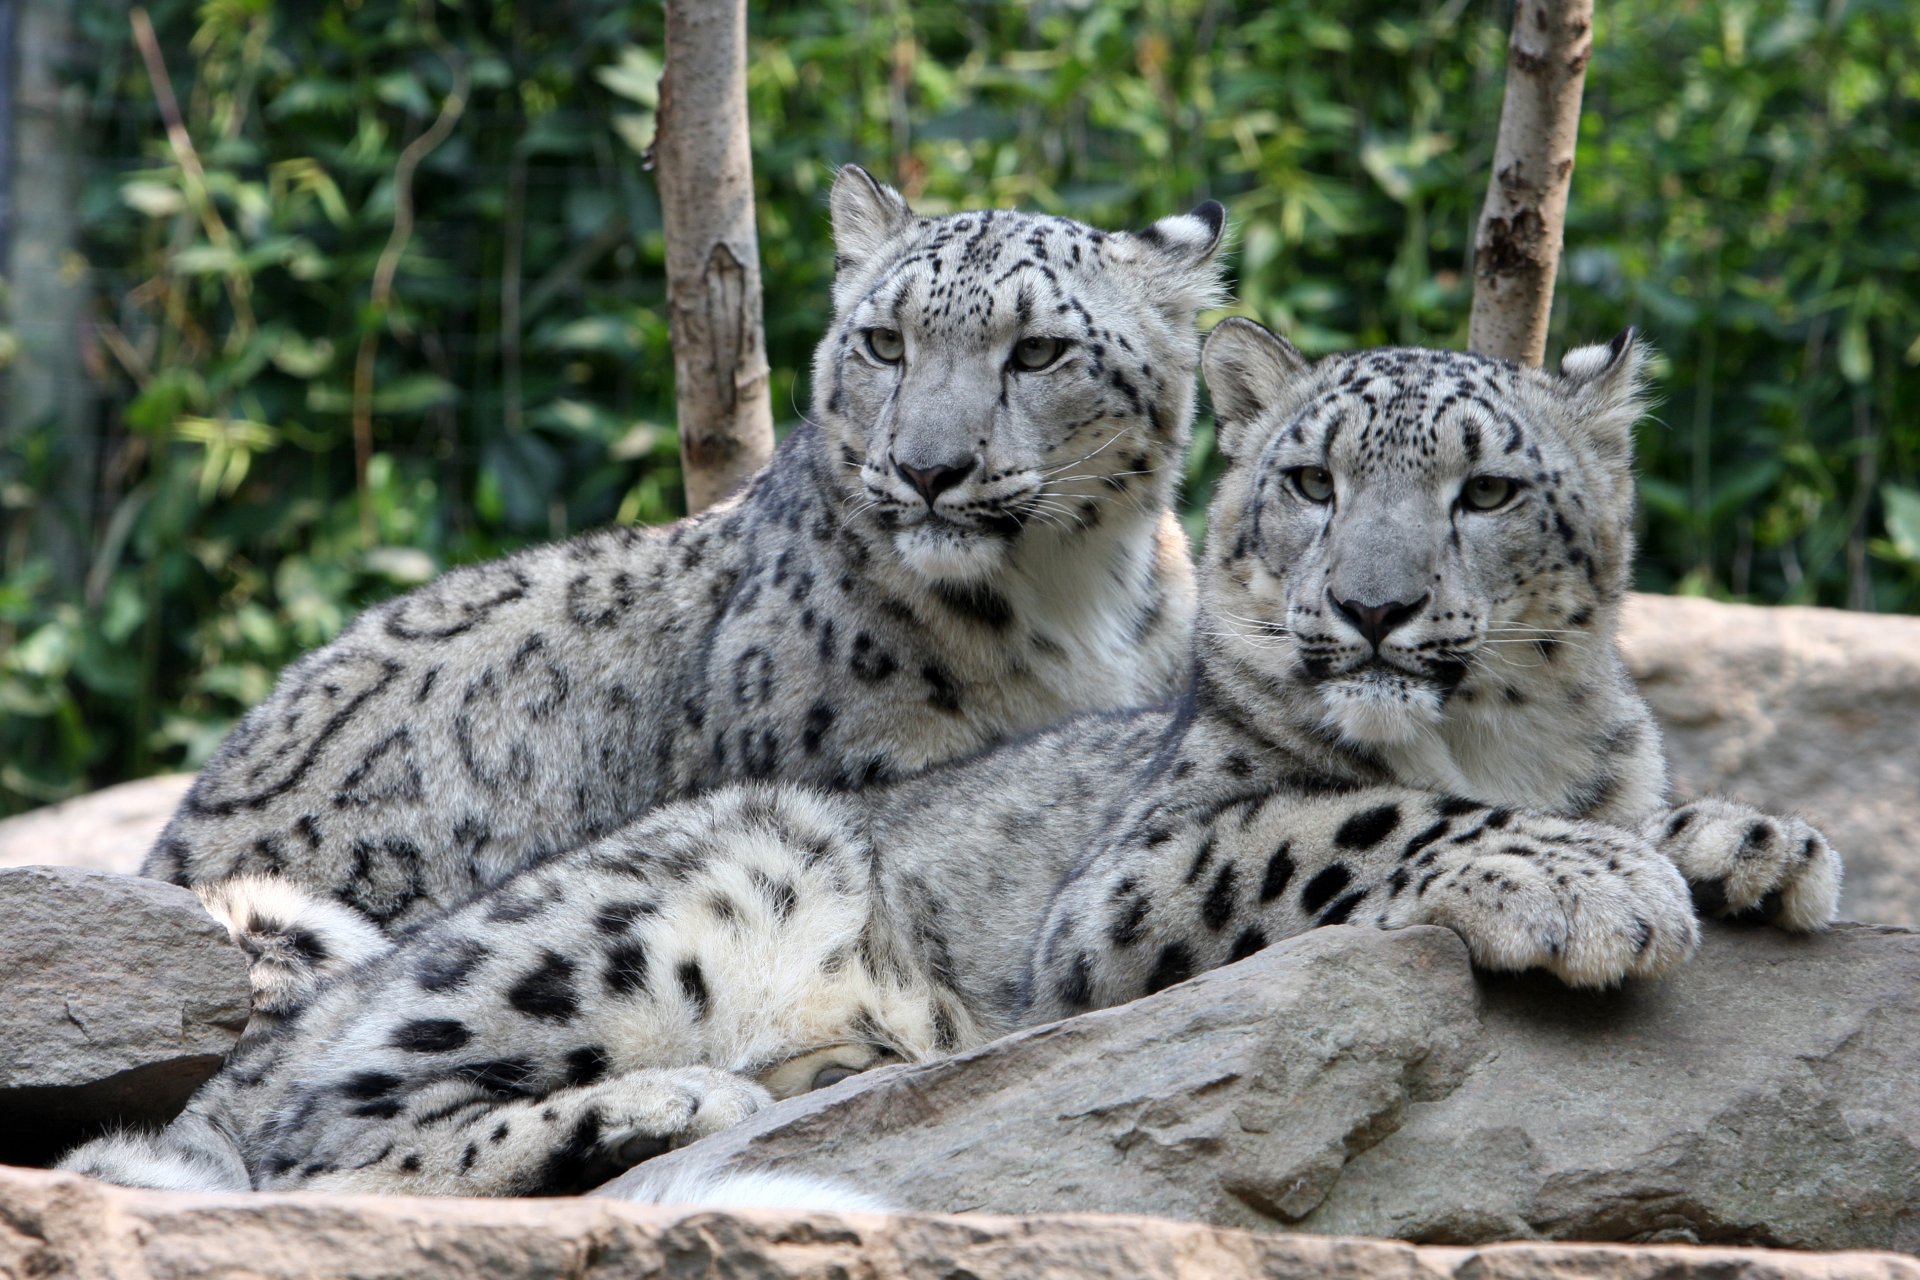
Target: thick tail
(295, 940)
(714, 1190)
(191, 1154)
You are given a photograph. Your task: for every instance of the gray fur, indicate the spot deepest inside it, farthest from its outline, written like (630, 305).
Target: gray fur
(1306, 779)
(829, 626)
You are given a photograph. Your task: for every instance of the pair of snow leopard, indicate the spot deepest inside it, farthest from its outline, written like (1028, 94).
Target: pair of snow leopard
(1404, 705)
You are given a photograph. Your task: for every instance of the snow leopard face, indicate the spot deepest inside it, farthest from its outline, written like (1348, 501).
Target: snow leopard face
(993, 377)
(1403, 527)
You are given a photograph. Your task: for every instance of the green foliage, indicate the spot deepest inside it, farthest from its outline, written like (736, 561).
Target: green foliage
(1744, 193)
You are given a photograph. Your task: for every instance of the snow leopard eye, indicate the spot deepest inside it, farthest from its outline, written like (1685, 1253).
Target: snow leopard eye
(1033, 354)
(1486, 493)
(832, 1075)
(1315, 484)
(886, 345)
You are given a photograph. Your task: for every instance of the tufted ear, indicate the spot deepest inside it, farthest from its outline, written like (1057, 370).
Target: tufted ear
(1248, 369)
(866, 214)
(1179, 257)
(1606, 385)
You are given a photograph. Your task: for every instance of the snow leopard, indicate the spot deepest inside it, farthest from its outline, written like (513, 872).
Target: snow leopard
(1408, 708)
(972, 536)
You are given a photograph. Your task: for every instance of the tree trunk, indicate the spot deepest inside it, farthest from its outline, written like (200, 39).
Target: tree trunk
(1523, 222)
(45, 295)
(713, 255)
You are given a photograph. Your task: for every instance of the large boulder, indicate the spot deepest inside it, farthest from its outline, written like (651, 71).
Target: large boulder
(1813, 710)
(59, 1225)
(109, 830)
(121, 997)
(1353, 1081)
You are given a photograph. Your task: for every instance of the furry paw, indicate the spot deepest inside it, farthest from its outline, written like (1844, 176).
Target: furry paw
(1592, 905)
(645, 1113)
(1751, 865)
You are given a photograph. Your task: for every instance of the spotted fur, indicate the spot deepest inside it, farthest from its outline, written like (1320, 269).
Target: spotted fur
(834, 624)
(1336, 762)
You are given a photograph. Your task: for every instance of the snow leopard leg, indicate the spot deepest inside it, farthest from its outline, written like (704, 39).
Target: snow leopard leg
(1590, 903)
(295, 940)
(1748, 864)
(457, 1139)
(197, 1151)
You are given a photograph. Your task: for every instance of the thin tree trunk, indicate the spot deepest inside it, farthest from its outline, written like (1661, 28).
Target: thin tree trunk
(713, 255)
(1523, 222)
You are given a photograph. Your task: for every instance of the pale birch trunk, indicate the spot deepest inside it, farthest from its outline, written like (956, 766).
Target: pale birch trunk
(713, 257)
(1523, 222)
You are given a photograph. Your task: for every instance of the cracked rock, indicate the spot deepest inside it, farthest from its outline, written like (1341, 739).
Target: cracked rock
(1356, 1082)
(122, 996)
(60, 1225)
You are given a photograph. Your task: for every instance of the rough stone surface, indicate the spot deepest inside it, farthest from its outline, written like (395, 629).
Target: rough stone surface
(110, 830)
(59, 1225)
(1815, 710)
(1351, 1081)
(121, 996)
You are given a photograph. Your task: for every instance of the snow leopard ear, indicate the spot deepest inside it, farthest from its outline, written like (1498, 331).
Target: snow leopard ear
(1249, 369)
(866, 214)
(1606, 385)
(1180, 257)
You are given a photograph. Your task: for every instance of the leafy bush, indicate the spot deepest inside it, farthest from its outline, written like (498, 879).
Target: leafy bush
(1744, 193)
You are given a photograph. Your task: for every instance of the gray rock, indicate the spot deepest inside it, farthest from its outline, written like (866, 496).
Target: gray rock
(1813, 710)
(1351, 1081)
(122, 996)
(109, 830)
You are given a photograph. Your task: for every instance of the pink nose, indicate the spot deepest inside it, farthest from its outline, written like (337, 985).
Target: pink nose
(935, 480)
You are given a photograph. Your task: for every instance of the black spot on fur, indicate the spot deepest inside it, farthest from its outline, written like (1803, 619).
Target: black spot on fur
(626, 969)
(1175, 965)
(1217, 910)
(506, 1077)
(1342, 908)
(693, 985)
(546, 991)
(1368, 828)
(1321, 889)
(1076, 988)
(1251, 939)
(1280, 869)
(370, 1084)
(618, 917)
(1679, 822)
(430, 1035)
(448, 968)
(587, 1064)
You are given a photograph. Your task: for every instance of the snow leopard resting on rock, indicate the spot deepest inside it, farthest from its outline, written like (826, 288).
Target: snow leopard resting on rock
(972, 538)
(1408, 709)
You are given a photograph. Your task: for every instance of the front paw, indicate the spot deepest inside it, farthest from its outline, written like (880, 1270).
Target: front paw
(647, 1112)
(1751, 865)
(1592, 905)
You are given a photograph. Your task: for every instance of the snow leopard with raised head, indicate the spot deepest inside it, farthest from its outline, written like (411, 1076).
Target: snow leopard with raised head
(1408, 708)
(971, 538)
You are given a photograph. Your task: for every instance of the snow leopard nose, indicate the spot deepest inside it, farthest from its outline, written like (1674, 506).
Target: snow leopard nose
(1375, 621)
(937, 479)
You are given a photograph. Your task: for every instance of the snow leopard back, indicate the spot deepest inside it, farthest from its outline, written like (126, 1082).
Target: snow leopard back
(963, 544)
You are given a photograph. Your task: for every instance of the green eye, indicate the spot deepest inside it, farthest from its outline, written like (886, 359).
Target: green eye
(1037, 353)
(1484, 493)
(886, 345)
(1315, 484)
